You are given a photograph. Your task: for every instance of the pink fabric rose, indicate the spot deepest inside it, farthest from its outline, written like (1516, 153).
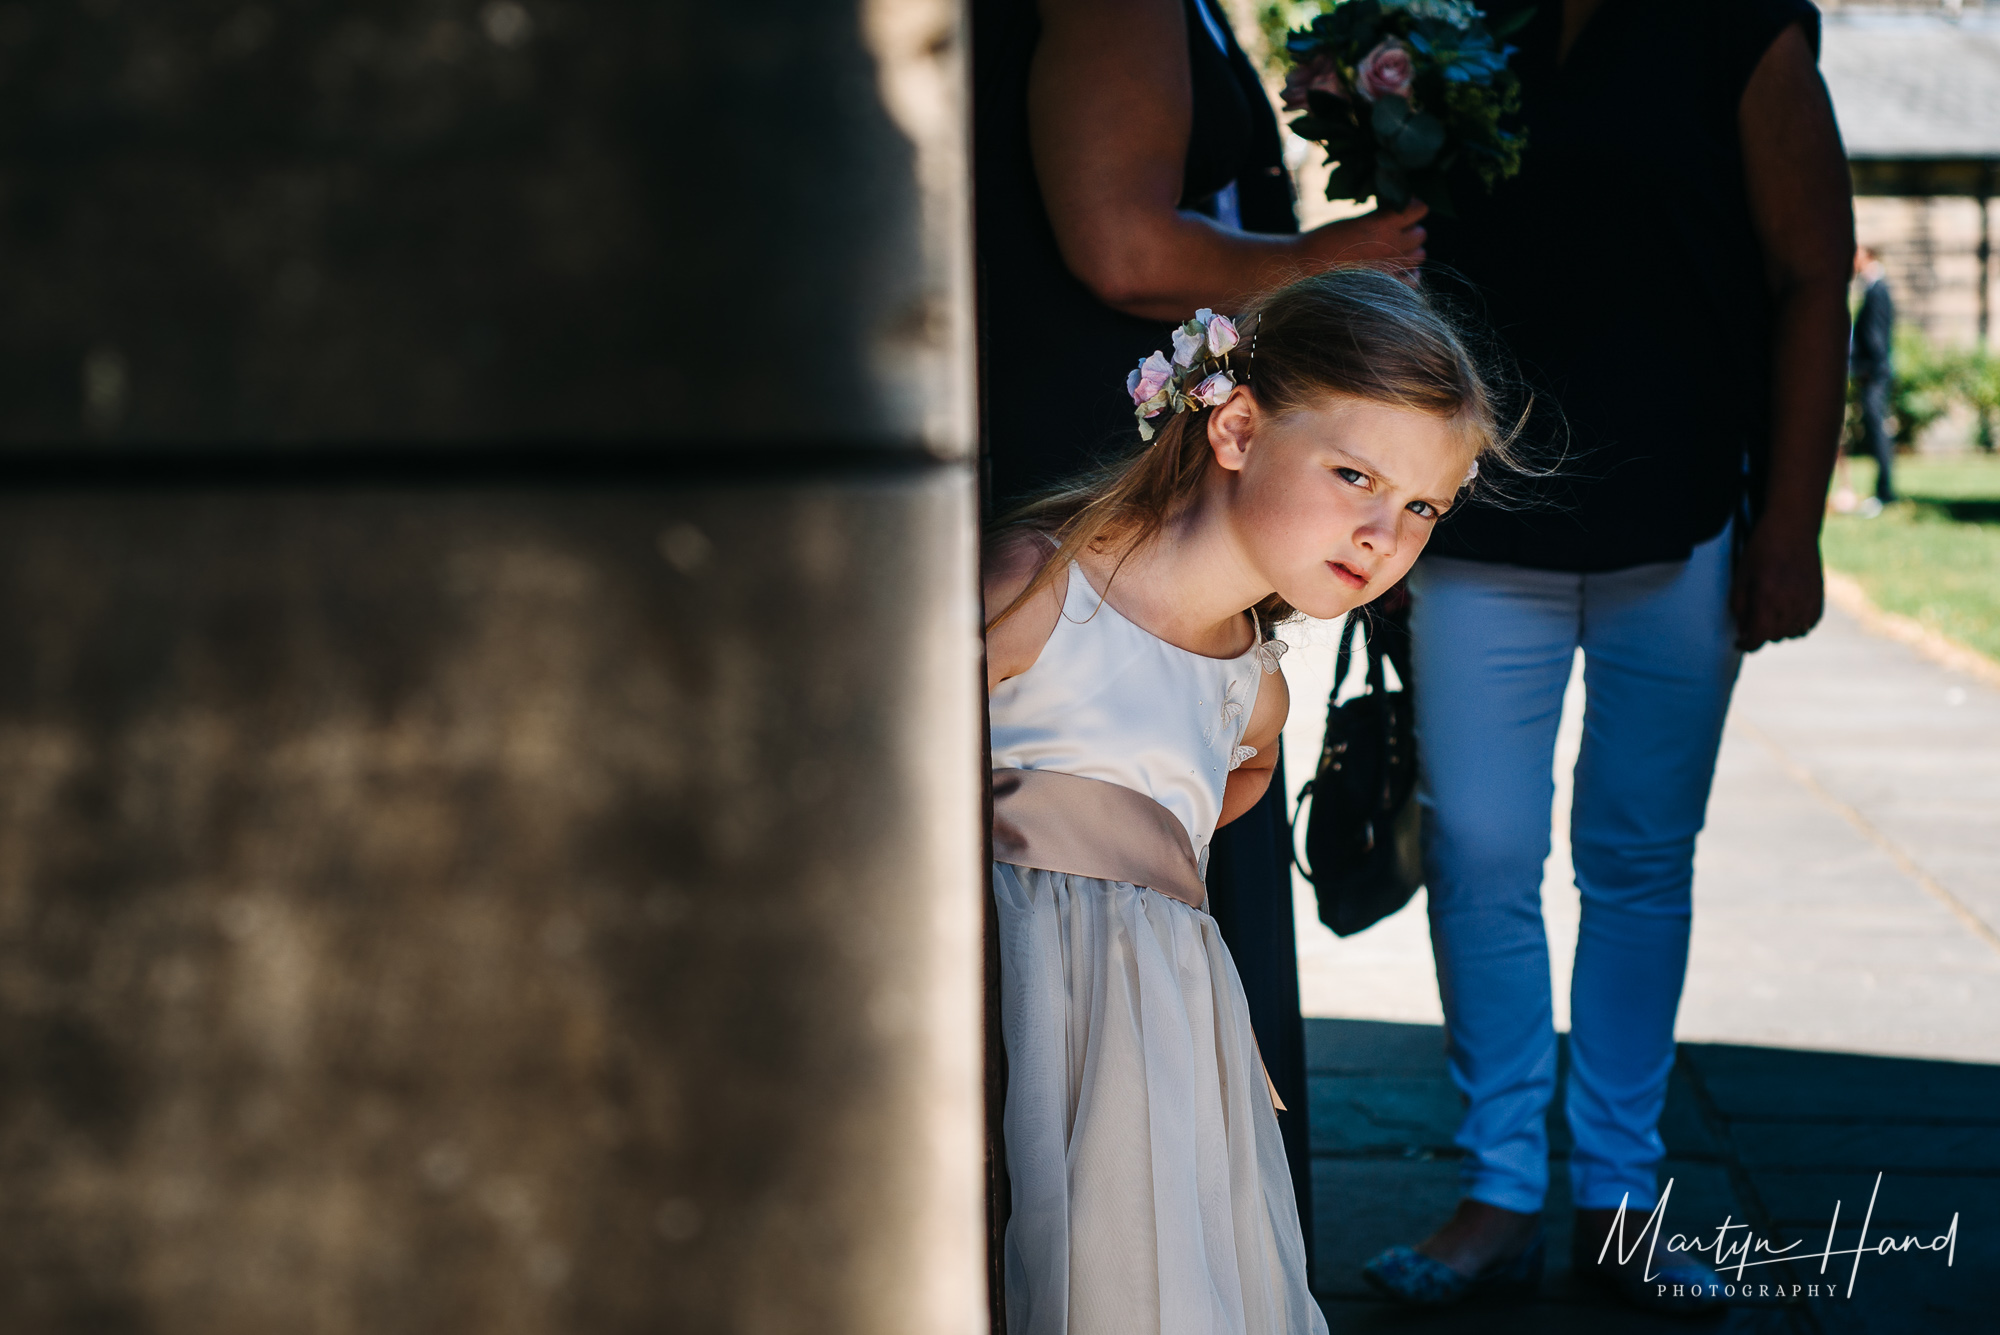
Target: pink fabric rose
(1385, 72)
(1213, 390)
(1318, 75)
(1145, 383)
(1222, 336)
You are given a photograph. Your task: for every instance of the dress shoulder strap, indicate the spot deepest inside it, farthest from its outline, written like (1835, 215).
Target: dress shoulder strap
(1266, 651)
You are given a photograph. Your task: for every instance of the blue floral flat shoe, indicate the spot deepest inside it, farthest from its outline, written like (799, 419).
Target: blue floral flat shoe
(1409, 1276)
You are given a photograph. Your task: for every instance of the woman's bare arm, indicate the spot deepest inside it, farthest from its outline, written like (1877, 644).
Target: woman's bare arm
(1110, 108)
(1802, 205)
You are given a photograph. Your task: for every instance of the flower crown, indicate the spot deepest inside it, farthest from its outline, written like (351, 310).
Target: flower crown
(1199, 375)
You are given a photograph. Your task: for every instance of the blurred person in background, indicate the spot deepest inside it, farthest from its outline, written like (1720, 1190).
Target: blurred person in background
(1670, 272)
(1128, 172)
(1871, 366)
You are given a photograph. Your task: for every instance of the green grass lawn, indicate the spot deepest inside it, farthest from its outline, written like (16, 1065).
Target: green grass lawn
(1934, 555)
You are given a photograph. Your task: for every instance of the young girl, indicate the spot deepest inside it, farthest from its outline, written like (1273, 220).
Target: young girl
(1297, 462)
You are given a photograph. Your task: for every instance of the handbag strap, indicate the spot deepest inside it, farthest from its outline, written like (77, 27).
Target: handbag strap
(1378, 649)
(1344, 657)
(1375, 646)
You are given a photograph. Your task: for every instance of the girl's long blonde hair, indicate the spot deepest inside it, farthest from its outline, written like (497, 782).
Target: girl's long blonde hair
(1352, 332)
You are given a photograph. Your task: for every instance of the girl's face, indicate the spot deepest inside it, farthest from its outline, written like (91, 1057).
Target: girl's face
(1333, 503)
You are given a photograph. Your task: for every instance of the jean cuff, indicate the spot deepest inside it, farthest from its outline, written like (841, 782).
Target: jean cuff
(1507, 1193)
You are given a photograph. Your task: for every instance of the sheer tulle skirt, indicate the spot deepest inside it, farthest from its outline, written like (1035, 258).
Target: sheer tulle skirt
(1150, 1187)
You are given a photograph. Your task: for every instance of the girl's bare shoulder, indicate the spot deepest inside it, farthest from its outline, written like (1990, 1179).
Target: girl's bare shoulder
(1012, 560)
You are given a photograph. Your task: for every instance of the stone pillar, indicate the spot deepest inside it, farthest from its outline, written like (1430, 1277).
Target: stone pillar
(489, 747)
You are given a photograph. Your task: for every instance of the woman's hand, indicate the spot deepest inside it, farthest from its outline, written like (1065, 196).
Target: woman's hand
(1392, 241)
(1779, 591)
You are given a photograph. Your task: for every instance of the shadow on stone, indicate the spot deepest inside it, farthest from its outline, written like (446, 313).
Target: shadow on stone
(1764, 1139)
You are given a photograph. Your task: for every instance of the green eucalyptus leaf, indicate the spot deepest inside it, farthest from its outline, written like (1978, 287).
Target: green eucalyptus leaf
(1418, 142)
(1388, 116)
(1412, 138)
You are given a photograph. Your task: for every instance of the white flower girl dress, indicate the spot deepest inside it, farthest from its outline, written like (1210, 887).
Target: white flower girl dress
(1150, 1187)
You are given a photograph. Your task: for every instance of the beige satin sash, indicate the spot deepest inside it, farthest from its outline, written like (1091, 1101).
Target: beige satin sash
(1090, 827)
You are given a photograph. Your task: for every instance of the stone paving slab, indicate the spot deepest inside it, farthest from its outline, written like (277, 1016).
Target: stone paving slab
(1907, 743)
(1385, 1171)
(1368, 1113)
(1890, 1295)
(1364, 1047)
(1920, 1203)
(1808, 934)
(1764, 1140)
(1919, 1148)
(1344, 1317)
(1745, 1083)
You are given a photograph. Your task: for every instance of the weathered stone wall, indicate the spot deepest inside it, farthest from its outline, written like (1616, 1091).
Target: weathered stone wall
(488, 738)
(464, 220)
(491, 912)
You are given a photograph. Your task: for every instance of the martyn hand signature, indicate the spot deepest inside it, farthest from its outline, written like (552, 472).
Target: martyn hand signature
(1736, 1253)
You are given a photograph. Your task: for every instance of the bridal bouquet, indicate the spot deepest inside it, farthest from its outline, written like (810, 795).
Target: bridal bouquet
(1398, 91)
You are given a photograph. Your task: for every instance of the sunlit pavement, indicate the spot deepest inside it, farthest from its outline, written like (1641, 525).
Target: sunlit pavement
(1841, 1018)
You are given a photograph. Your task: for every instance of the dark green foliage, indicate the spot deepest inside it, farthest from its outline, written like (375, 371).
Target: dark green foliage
(1925, 384)
(1396, 148)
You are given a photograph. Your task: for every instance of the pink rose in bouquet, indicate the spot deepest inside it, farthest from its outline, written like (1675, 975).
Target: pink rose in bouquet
(1387, 71)
(1318, 75)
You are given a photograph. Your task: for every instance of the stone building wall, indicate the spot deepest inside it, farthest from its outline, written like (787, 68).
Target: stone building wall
(1930, 248)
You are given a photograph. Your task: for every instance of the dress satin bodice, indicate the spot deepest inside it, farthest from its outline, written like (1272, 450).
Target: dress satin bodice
(1108, 700)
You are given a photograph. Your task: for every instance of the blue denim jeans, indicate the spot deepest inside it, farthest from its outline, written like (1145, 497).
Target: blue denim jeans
(1492, 651)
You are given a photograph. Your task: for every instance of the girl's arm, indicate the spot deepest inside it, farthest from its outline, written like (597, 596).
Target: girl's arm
(1013, 646)
(1248, 781)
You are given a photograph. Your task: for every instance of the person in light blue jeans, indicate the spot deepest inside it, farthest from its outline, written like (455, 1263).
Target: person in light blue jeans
(1492, 648)
(1686, 366)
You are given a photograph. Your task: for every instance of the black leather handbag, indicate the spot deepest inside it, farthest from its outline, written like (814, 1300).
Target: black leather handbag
(1363, 824)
